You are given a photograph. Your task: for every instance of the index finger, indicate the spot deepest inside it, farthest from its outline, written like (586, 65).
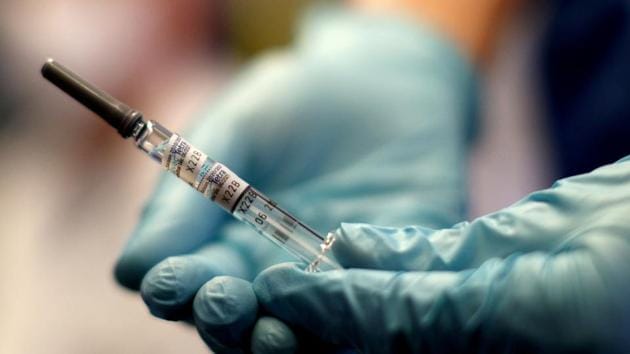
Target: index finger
(176, 220)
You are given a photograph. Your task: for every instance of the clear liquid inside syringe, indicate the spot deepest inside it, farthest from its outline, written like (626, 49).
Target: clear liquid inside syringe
(211, 178)
(219, 184)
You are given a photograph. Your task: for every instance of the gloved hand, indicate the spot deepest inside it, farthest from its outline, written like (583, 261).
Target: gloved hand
(549, 274)
(365, 120)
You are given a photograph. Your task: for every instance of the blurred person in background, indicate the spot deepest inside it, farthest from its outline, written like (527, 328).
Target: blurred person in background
(369, 118)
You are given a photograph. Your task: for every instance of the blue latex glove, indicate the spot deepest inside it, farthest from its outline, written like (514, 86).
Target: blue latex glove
(365, 120)
(549, 274)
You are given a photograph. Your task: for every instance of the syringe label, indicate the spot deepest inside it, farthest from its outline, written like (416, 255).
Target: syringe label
(226, 186)
(176, 151)
(211, 178)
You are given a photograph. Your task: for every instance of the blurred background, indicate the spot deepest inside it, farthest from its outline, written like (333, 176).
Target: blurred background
(71, 189)
(74, 188)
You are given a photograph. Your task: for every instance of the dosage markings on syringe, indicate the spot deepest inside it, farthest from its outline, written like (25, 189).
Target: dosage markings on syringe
(280, 236)
(289, 221)
(256, 209)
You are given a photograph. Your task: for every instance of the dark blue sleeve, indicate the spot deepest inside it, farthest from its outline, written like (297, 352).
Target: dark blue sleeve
(586, 76)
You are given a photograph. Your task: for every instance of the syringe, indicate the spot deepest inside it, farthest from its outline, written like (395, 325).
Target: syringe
(214, 180)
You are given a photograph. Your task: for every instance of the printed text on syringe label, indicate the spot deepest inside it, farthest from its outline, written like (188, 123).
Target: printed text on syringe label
(250, 198)
(263, 214)
(211, 178)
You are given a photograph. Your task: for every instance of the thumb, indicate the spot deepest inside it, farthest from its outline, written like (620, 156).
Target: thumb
(543, 221)
(386, 248)
(347, 308)
(573, 301)
(330, 305)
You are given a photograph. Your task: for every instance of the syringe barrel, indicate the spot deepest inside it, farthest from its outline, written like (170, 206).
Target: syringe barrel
(219, 184)
(207, 176)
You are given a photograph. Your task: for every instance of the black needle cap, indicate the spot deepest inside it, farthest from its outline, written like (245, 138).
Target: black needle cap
(114, 112)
